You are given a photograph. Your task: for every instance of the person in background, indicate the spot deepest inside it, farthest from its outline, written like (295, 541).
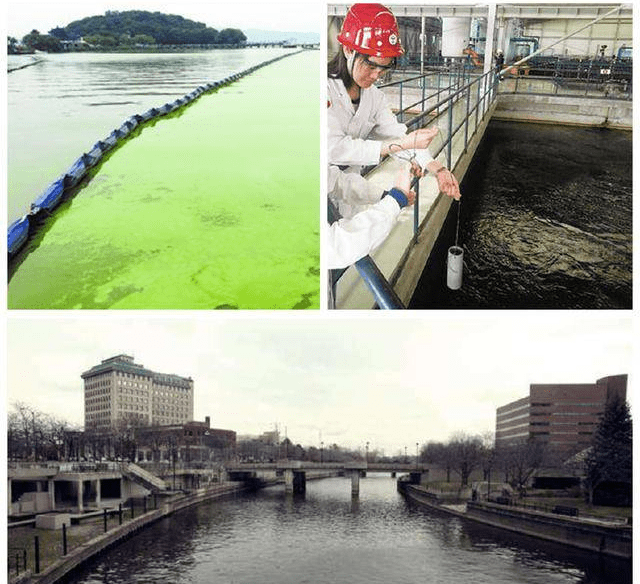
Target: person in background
(362, 129)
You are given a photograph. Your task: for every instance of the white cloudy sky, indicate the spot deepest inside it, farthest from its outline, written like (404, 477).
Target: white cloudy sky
(295, 16)
(350, 379)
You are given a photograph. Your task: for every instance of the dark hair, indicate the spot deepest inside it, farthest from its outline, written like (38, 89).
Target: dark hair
(338, 69)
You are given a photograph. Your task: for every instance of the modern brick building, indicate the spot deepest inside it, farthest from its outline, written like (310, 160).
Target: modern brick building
(563, 416)
(118, 389)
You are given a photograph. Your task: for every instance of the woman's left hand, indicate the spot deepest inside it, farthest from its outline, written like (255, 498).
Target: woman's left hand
(448, 184)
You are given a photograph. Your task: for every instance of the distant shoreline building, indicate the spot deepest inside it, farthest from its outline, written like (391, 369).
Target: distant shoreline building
(563, 416)
(190, 442)
(118, 389)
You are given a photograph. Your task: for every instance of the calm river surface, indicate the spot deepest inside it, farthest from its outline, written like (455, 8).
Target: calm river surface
(326, 537)
(60, 107)
(545, 222)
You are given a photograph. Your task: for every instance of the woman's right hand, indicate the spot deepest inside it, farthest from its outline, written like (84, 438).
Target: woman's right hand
(419, 139)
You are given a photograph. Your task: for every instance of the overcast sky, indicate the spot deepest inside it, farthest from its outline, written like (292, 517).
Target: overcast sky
(391, 382)
(292, 16)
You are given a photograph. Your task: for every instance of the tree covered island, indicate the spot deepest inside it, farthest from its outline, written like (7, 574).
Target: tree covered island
(127, 30)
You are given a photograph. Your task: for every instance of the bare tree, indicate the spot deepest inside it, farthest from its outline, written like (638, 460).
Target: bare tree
(438, 453)
(488, 454)
(520, 461)
(467, 455)
(35, 436)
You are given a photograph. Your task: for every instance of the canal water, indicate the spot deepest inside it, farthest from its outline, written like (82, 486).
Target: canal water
(545, 222)
(215, 206)
(328, 537)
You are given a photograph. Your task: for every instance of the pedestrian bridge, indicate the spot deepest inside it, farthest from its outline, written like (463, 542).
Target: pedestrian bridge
(295, 472)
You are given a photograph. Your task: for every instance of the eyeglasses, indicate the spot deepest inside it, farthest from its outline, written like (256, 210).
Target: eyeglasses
(375, 66)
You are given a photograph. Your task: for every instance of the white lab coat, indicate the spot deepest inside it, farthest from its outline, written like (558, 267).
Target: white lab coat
(350, 239)
(354, 140)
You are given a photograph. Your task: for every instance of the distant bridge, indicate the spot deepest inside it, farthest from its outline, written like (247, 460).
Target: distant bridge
(295, 471)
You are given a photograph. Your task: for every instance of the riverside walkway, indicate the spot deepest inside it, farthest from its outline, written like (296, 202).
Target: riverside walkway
(46, 556)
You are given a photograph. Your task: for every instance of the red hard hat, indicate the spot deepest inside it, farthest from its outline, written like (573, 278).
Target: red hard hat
(371, 29)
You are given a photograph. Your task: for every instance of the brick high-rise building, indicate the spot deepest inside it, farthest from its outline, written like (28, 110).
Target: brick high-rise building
(564, 416)
(119, 389)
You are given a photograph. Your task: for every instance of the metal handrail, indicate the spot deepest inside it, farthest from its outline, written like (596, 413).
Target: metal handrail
(19, 554)
(489, 82)
(557, 80)
(381, 289)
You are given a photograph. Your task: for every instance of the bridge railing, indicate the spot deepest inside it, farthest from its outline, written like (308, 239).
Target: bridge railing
(457, 108)
(314, 465)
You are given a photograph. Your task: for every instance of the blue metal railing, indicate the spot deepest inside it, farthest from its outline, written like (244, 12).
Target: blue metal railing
(382, 291)
(458, 86)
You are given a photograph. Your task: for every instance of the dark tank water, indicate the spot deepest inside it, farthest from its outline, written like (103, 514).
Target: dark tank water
(545, 222)
(326, 537)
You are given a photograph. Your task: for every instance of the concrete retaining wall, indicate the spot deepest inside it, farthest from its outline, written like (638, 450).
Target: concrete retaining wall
(605, 539)
(611, 540)
(552, 109)
(91, 548)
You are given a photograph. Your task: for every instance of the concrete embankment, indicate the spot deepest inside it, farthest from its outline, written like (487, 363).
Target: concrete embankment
(593, 536)
(574, 111)
(84, 552)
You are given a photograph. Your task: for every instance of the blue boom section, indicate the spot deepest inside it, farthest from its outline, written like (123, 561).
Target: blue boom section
(19, 231)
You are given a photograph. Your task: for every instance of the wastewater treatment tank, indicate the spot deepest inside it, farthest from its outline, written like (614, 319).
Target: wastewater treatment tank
(545, 223)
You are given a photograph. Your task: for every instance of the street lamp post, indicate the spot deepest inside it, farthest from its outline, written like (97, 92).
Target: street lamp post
(321, 452)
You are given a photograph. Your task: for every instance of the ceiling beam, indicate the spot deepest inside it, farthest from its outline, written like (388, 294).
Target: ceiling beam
(523, 11)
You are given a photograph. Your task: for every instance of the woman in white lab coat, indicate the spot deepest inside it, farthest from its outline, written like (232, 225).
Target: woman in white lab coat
(362, 129)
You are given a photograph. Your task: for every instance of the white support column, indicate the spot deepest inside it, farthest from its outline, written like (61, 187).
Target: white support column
(98, 492)
(502, 29)
(80, 506)
(288, 480)
(355, 483)
(488, 45)
(422, 43)
(52, 494)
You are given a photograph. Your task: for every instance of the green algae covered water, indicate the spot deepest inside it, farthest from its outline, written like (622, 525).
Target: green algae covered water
(215, 206)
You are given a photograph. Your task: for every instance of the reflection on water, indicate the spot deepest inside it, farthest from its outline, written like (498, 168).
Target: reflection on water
(545, 222)
(327, 537)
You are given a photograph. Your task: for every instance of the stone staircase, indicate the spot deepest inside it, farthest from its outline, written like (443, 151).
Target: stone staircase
(145, 478)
